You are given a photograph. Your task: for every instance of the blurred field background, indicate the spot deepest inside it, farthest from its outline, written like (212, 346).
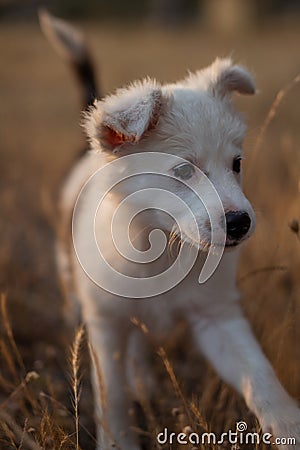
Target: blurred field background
(39, 138)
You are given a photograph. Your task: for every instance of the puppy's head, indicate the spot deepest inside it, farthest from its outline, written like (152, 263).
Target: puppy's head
(195, 120)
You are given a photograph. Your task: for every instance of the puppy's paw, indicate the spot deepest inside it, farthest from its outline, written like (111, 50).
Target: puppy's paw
(285, 430)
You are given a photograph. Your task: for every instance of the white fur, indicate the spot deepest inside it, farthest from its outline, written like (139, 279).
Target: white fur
(195, 119)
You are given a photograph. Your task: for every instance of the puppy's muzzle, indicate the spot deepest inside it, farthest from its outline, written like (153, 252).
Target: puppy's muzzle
(237, 224)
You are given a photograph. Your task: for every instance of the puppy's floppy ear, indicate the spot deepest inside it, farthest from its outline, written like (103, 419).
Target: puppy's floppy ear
(125, 117)
(222, 78)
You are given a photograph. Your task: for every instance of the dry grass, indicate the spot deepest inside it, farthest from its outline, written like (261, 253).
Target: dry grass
(39, 137)
(76, 378)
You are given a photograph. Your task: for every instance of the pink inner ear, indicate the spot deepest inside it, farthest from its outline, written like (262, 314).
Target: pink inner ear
(113, 138)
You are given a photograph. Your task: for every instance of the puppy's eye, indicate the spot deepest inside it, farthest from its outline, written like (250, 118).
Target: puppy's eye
(236, 165)
(184, 171)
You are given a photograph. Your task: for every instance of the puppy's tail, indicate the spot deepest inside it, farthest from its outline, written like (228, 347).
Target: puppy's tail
(71, 45)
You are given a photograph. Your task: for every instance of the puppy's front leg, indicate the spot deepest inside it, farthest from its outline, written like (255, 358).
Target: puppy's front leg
(109, 342)
(232, 349)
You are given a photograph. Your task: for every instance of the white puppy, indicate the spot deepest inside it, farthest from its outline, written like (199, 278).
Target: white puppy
(193, 119)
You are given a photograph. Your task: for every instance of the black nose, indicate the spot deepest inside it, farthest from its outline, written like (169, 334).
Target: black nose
(237, 224)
